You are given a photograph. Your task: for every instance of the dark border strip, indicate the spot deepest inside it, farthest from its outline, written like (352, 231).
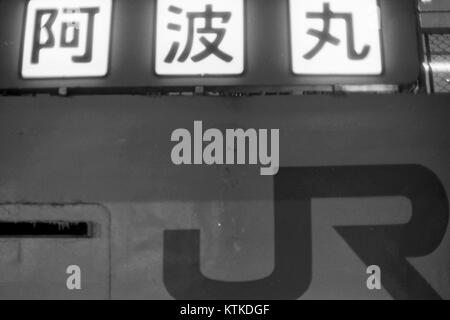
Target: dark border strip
(46, 229)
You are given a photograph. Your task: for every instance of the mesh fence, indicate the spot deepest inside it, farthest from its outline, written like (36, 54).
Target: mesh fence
(439, 45)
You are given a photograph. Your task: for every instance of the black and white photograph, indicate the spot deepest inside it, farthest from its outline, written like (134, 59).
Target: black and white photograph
(224, 155)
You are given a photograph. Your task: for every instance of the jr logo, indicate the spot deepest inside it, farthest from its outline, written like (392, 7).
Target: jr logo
(66, 38)
(294, 190)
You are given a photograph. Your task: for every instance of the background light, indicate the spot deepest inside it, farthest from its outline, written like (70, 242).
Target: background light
(333, 59)
(232, 44)
(57, 61)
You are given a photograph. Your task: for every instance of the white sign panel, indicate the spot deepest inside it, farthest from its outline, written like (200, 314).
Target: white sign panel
(67, 38)
(336, 37)
(200, 37)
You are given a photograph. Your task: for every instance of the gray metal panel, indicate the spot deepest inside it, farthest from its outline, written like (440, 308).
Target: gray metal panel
(117, 148)
(116, 151)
